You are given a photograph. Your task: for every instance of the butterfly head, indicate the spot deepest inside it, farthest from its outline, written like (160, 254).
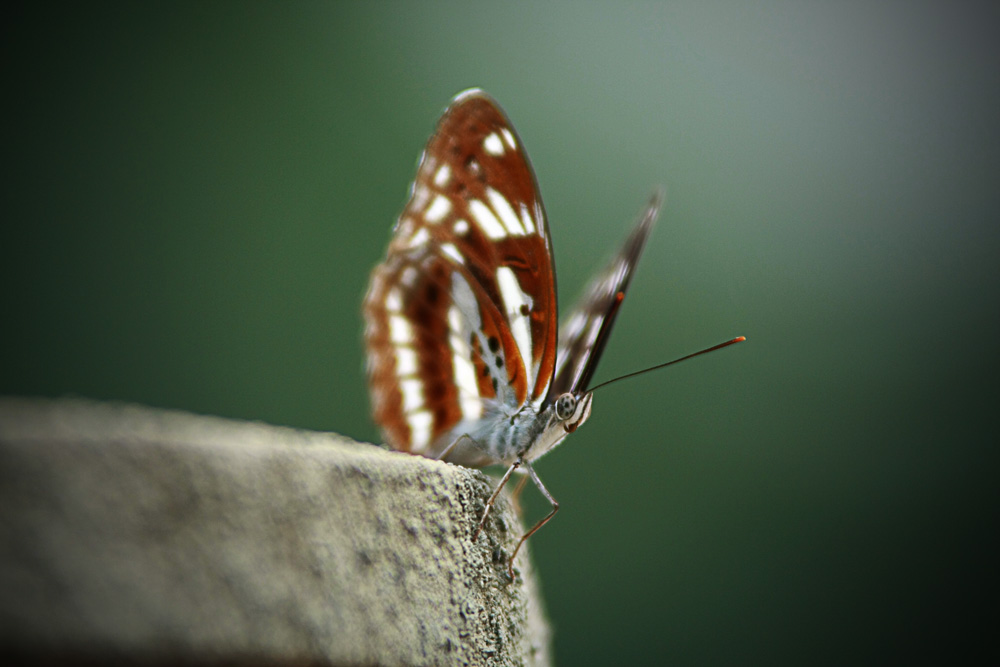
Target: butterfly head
(567, 414)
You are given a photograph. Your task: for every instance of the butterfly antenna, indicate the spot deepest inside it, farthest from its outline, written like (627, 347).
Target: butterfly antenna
(739, 339)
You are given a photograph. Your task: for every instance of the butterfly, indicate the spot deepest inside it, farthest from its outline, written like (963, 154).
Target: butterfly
(464, 360)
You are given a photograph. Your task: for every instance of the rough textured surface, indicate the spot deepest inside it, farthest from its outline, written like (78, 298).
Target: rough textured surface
(140, 533)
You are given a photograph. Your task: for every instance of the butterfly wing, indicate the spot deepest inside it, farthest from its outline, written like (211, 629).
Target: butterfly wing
(461, 314)
(588, 326)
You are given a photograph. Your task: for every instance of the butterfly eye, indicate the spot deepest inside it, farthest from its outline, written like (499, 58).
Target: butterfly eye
(565, 406)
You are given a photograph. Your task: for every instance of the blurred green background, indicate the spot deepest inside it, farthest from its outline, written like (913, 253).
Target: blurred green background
(196, 192)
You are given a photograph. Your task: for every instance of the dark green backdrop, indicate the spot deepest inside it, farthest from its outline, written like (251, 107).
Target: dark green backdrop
(195, 193)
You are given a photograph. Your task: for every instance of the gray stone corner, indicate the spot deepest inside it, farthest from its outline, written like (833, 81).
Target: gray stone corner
(149, 534)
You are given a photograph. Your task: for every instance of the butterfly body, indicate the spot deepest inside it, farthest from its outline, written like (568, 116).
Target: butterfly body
(506, 433)
(464, 361)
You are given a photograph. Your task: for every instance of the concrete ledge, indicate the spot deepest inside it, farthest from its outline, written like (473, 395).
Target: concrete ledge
(146, 535)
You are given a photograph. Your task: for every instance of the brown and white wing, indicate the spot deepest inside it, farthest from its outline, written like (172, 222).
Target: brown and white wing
(588, 325)
(461, 314)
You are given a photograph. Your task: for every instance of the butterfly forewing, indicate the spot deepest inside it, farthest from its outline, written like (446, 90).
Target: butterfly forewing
(588, 325)
(460, 313)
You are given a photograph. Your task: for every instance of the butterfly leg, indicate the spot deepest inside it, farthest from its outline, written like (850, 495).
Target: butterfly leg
(489, 503)
(447, 450)
(545, 519)
(515, 495)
